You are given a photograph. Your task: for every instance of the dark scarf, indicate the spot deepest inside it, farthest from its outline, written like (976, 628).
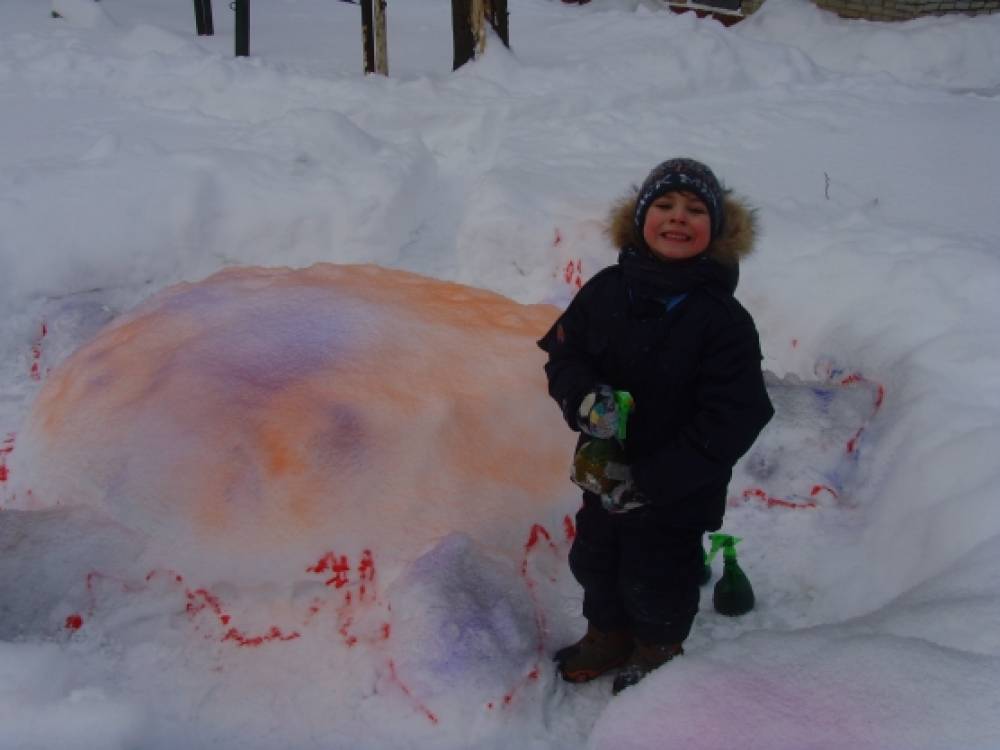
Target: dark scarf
(649, 277)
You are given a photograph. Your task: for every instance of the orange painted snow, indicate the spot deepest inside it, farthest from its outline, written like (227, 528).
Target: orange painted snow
(263, 410)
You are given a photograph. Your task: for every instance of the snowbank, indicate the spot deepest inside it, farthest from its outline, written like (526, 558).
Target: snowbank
(134, 155)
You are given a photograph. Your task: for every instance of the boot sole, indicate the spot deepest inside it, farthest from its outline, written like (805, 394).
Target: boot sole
(586, 675)
(622, 682)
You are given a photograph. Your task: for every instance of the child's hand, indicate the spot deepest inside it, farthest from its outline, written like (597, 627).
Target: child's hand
(599, 466)
(598, 413)
(623, 498)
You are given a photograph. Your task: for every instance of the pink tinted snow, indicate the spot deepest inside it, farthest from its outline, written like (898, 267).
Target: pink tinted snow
(267, 411)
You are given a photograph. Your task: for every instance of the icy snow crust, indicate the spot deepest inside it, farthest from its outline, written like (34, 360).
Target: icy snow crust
(386, 592)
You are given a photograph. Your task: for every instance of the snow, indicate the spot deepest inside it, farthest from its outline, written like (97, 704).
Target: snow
(145, 172)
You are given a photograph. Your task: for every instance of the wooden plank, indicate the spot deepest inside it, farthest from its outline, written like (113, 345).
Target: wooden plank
(381, 40)
(499, 19)
(203, 17)
(242, 35)
(368, 34)
(461, 29)
(727, 16)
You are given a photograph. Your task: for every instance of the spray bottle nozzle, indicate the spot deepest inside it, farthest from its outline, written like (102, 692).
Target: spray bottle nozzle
(726, 543)
(625, 404)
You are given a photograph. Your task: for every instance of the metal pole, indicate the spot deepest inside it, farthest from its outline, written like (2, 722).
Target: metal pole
(242, 8)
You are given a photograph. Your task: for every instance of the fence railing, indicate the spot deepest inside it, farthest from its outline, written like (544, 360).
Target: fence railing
(469, 19)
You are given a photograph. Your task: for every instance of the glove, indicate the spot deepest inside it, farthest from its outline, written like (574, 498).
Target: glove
(598, 413)
(624, 497)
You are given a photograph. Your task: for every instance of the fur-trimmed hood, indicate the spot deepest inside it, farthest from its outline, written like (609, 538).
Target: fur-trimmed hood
(736, 241)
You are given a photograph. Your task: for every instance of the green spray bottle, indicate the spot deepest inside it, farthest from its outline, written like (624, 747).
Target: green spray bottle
(733, 595)
(595, 456)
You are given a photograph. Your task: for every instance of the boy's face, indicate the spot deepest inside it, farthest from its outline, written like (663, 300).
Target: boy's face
(677, 226)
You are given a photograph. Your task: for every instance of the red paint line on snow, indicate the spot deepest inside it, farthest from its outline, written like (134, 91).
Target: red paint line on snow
(339, 566)
(851, 447)
(818, 488)
(178, 578)
(756, 493)
(856, 378)
(242, 639)
(536, 535)
(417, 703)
(366, 573)
(569, 528)
(367, 595)
(201, 599)
(508, 698)
(36, 353)
(573, 273)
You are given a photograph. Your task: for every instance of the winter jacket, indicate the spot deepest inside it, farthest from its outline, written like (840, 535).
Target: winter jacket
(673, 335)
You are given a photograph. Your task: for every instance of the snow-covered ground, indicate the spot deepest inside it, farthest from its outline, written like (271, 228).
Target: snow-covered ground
(135, 155)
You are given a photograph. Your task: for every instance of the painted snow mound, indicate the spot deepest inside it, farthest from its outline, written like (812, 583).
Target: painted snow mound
(240, 425)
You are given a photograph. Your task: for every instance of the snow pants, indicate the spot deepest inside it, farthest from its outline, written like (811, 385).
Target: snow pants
(637, 571)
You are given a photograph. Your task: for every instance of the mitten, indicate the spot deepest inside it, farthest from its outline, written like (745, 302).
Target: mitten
(598, 413)
(599, 466)
(624, 497)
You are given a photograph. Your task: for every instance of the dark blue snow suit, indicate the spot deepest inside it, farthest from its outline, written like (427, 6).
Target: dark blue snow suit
(673, 335)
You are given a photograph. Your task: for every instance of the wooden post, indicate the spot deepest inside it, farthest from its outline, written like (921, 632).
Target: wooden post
(242, 8)
(368, 35)
(374, 41)
(468, 26)
(461, 31)
(477, 20)
(203, 17)
(496, 13)
(381, 40)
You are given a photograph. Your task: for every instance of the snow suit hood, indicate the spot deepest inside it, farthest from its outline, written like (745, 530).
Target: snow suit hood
(734, 242)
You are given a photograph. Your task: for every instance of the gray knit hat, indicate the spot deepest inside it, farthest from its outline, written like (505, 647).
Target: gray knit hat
(687, 175)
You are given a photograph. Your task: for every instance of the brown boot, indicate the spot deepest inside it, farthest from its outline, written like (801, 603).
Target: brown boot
(594, 654)
(644, 659)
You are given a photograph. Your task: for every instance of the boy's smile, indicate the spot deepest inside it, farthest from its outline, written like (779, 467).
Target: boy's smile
(677, 226)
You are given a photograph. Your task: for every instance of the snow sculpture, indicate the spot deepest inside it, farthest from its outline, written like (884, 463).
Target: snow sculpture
(241, 425)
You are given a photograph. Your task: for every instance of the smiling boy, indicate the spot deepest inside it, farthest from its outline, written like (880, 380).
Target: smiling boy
(662, 324)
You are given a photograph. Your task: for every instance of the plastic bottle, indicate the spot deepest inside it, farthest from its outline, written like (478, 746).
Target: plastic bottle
(596, 456)
(733, 595)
